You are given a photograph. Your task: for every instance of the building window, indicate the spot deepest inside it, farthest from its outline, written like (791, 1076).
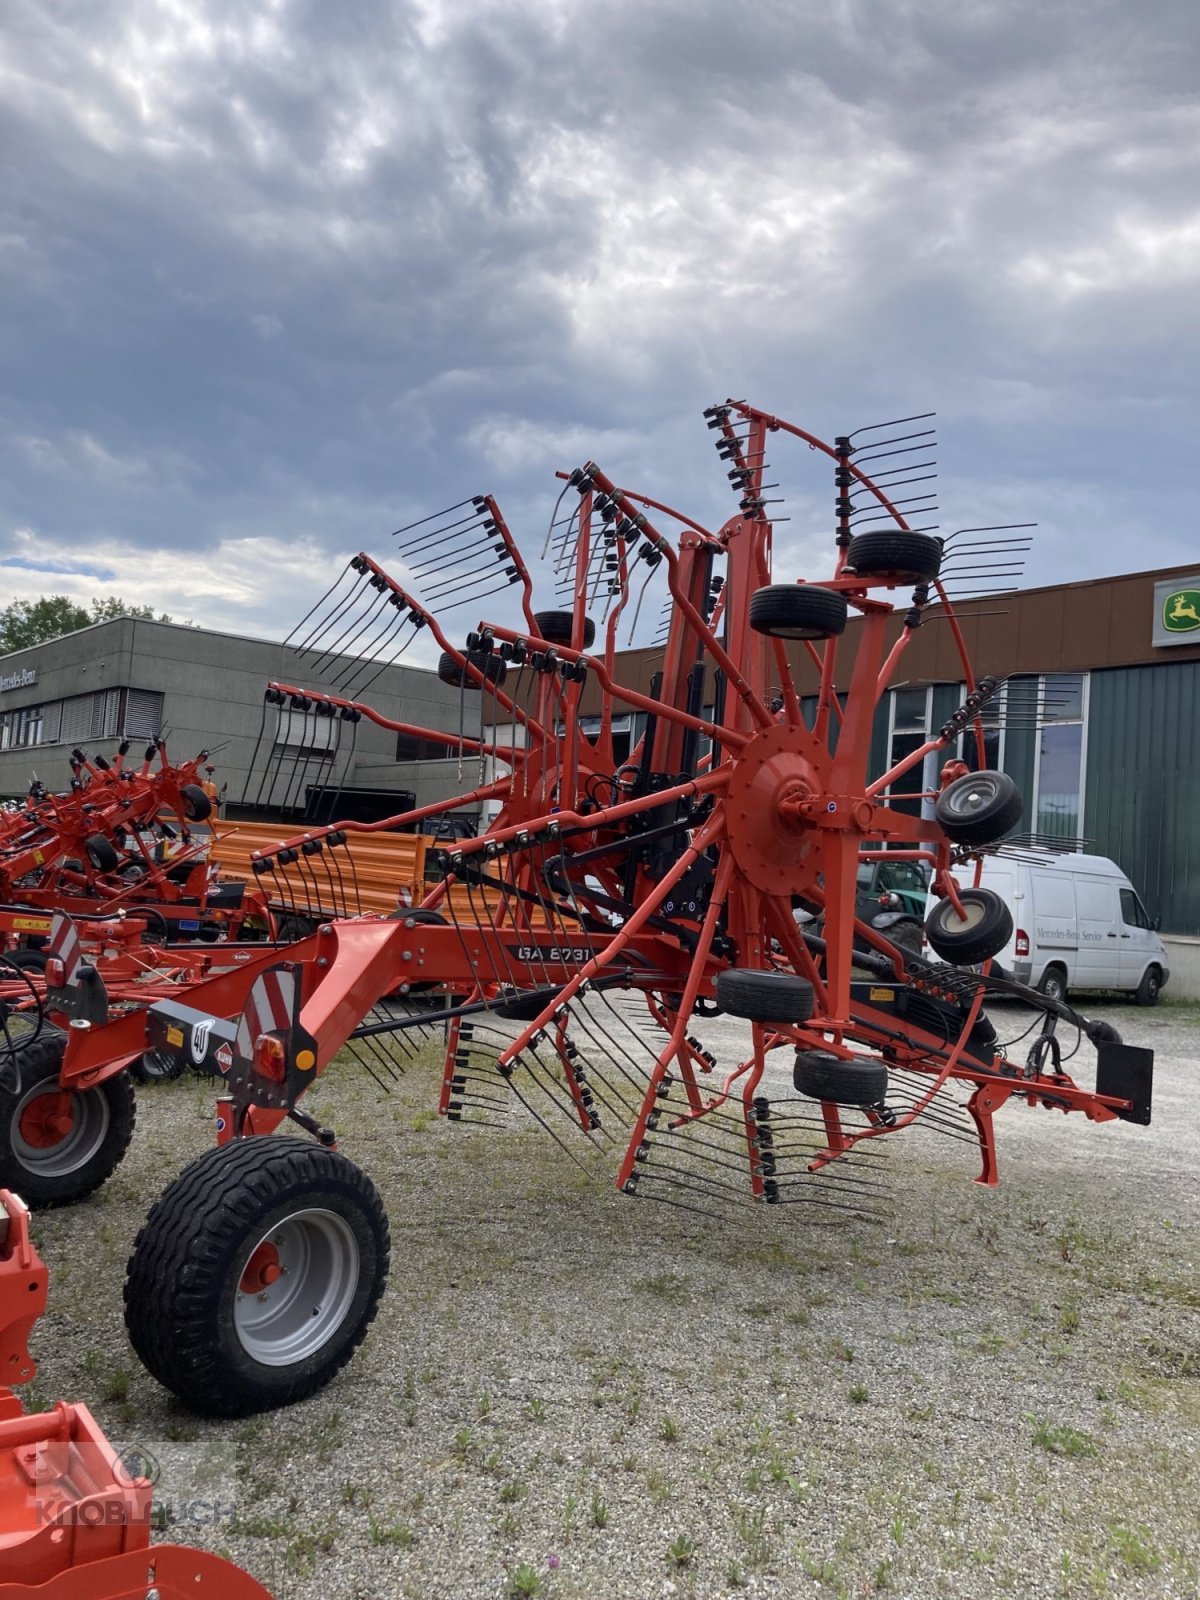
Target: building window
(1058, 780)
(909, 731)
(143, 714)
(86, 717)
(21, 727)
(992, 716)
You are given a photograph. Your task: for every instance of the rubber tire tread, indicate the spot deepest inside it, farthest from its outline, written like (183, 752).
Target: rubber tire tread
(183, 1253)
(1143, 995)
(986, 826)
(101, 852)
(797, 611)
(41, 1059)
(764, 996)
(894, 553)
(822, 1076)
(197, 807)
(975, 944)
(556, 627)
(451, 671)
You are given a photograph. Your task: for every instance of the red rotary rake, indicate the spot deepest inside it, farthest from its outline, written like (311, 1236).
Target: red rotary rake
(613, 905)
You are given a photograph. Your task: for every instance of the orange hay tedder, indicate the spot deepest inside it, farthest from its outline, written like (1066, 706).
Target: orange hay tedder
(569, 961)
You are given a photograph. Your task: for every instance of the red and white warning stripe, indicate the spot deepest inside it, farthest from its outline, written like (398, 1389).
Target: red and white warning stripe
(268, 1009)
(64, 946)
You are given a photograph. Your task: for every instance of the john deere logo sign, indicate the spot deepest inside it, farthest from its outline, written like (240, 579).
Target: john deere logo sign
(1181, 611)
(1177, 612)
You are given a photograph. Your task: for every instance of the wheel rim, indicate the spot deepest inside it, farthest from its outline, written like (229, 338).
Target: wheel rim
(295, 1287)
(972, 801)
(973, 915)
(55, 1134)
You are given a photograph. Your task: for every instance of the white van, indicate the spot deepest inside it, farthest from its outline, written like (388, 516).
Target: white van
(1077, 924)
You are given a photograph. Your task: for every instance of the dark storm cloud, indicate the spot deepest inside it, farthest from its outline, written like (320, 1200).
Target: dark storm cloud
(278, 276)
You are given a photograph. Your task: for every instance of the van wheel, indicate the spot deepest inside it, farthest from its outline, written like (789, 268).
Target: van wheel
(1053, 984)
(1146, 993)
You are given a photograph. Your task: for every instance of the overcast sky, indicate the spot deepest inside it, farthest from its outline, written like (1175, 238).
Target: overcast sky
(280, 275)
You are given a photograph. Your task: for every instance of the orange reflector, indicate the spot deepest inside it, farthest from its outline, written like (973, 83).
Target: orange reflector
(270, 1058)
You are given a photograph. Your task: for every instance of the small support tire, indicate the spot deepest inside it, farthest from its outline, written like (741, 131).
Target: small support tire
(557, 627)
(895, 555)
(101, 852)
(987, 928)
(197, 807)
(823, 1076)
(257, 1274)
(797, 611)
(764, 996)
(979, 808)
(451, 670)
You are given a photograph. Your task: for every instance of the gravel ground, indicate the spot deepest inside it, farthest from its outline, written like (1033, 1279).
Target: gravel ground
(568, 1393)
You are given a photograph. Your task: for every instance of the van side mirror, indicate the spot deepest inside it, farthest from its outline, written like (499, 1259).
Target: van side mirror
(1156, 923)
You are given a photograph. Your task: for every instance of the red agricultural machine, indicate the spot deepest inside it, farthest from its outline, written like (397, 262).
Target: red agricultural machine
(119, 839)
(576, 949)
(75, 1522)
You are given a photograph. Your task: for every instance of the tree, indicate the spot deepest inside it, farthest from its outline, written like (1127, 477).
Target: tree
(27, 622)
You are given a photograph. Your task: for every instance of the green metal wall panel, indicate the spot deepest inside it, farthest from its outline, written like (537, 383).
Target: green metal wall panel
(1142, 805)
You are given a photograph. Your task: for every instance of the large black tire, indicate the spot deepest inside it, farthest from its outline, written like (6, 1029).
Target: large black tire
(979, 808)
(101, 852)
(51, 1160)
(987, 929)
(451, 671)
(197, 807)
(556, 627)
(797, 611)
(202, 1313)
(291, 926)
(907, 933)
(823, 1076)
(1147, 992)
(895, 555)
(764, 996)
(1053, 983)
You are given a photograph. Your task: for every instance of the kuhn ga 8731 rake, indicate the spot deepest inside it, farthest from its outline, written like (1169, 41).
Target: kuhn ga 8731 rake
(611, 906)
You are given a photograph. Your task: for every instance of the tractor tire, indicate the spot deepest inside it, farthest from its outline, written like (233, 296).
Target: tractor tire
(895, 555)
(101, 852)
(257, 1274)
(1053, 984)
(908, 934)
(52, 1155)
(986, 930)
(764, 996)
(1146, 993)
(450, 670)
(556, 627)
(797, 611)
(291, 927)
(978, 808)
(823, 1076)
(197, 807)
